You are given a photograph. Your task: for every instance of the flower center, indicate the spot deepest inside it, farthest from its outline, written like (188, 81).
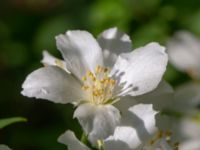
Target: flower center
(98, 85)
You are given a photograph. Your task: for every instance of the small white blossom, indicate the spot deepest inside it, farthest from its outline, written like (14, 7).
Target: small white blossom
(137, 132)
(184, 53)
(95, 75)
(182, 104)
(182, 101)
(186, 131)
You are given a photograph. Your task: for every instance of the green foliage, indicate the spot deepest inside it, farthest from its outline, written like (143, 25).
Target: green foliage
(45, 35)
(104, 14)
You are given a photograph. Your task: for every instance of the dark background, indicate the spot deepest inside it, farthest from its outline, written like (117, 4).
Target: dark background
(29, 26)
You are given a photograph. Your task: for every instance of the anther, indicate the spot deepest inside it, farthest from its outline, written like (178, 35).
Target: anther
(98, 85)
(105, 70)
(98, 69)
(176, 146)
(84, 78)
(160, 134)
(112, 82)
(152, 142)
(85, 87)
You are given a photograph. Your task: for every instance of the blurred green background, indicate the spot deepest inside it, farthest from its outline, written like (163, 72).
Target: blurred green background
(27, 27)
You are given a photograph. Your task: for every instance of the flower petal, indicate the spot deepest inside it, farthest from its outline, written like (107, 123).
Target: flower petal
(97, 121)
(4, 147)
(142, 117)
(54, 84)
(124, 137)
(80, 51)
(192, 144)
(187, 98)
(125, 103)
(190, 128)
(141, 70)
(68, 138)
(184, 53)
(161, 98)
(113, 42)
(138, 127)
(49, 60)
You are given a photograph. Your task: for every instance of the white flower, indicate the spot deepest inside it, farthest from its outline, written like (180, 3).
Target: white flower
(184, 53)
(96, 74)
(137, 132)
(185, 130)
(182, 101)
(181, 107)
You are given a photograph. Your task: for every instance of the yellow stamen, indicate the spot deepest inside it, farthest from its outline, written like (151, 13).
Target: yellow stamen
(98, 85)
(84, 78)
(167, 136)
(85, 87)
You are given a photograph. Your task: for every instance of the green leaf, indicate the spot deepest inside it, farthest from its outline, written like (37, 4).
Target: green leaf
(7, 121)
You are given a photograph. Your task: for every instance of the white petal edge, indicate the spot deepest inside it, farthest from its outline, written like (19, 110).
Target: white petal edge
(80, 50)
(137, 128)
(125, 103)
(124, 137)
(54, 84)
(69, 139)
(50, 60)
(113, 42)
(143, 117)
(141, 70)
(98, 121)
(162, 88)
(162, 97)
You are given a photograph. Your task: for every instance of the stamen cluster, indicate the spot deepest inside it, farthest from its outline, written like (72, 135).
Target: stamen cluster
(98, 85)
